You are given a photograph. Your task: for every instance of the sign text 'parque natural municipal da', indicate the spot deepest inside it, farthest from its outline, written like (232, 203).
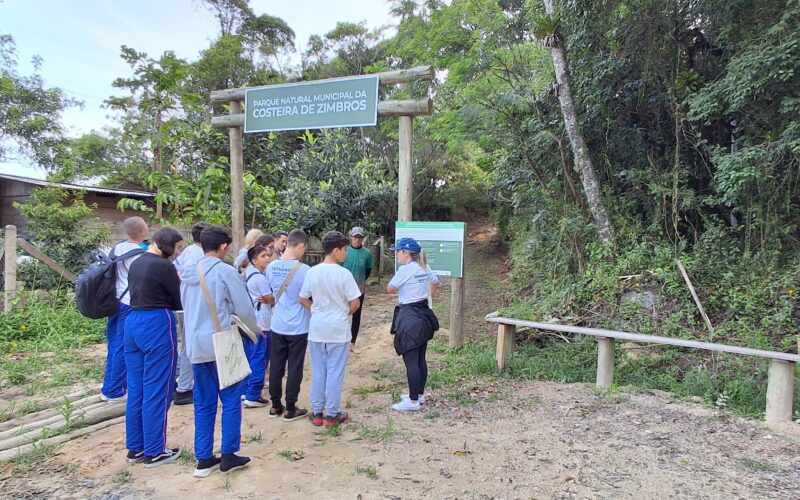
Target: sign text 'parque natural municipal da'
(339, 102)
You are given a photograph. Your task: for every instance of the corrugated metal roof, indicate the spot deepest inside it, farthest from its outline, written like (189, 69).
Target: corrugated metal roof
(91, 189)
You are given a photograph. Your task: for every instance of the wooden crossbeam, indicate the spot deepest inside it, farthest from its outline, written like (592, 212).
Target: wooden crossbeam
(385, 78)
(38, 254)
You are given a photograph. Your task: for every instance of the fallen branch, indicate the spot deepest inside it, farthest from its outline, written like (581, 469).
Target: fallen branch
(81, 418)
(56, 440)
(77, 400)
(695, 297)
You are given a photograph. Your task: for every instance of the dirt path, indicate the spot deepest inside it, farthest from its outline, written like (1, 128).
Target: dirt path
(510, 440)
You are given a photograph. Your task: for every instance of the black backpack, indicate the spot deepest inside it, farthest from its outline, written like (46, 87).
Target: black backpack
(96, 286)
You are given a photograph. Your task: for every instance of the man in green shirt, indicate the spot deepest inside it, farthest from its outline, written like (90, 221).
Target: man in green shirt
(359, 263)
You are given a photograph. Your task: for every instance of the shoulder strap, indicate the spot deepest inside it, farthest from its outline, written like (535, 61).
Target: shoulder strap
(287, 281)
(207, 295)
(127, 255)
(256, 303)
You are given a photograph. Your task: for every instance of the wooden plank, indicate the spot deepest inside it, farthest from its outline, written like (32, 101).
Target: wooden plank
(44, 259)
(385, 78)
(10, 271)
(405, 172)
(237, 181)
(605, 363)
(505, 344)
(695, 297)
(411, 107)
(780, 391)
(652, 339)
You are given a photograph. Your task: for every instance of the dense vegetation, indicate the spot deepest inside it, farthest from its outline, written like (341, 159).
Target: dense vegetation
(690, 112)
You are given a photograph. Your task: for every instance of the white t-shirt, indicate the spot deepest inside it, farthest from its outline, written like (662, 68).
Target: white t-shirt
(413, 282)
(331, 288)
(288, 316)
(122, 269)
(257, 287)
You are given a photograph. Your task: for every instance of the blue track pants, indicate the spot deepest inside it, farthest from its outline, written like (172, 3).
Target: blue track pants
(205, 395)
(115, 378)
(150, 353)
(258, 358)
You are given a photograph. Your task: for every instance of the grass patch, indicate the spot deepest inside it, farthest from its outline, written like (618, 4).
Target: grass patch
(256, 437)
(385, 433)
(432, 415)
(186, 458)
(368, 471)
(372, 410)
(366, 391)
(332, 431)
(38, 339)
(121, 477)
(291, 455)
(735, 383)
(40, 452)
(755, 465)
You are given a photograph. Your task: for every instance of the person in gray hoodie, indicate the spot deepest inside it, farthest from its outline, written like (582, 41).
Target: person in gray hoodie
(230, 297)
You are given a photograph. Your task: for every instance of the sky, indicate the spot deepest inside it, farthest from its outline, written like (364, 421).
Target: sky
(79, 42)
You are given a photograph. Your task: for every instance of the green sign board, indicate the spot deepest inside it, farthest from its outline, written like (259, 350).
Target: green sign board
(339, 102)
(442, 242)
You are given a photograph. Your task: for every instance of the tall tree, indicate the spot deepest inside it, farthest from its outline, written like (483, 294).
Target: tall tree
(548, 30)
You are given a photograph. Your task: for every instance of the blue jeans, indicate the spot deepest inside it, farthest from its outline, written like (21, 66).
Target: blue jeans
(328, 364)
(150, 353)
(114, 380)
(204, 397)
(258, 359)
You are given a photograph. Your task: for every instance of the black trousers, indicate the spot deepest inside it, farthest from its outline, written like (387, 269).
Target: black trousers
(356, 324)
(416, 371)
(286, 350)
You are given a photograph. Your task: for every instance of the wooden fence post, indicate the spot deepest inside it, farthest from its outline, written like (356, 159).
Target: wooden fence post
(237, 180)
(780, 391)
(605, 363)
(505, 344)
(458, 286)
(10, 272)
(405, 173)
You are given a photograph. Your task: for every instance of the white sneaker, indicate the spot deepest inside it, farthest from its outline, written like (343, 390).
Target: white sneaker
(421, 398)
(121, 399)
(406, 405)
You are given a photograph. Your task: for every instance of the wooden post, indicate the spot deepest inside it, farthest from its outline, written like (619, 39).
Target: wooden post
(405, 173)
(457, 288)
(505, 344)
(10, 272)
(376, 258)
(780, 391)
(605, 362)
(237, 180)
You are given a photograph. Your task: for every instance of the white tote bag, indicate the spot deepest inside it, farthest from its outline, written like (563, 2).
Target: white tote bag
(232, 365)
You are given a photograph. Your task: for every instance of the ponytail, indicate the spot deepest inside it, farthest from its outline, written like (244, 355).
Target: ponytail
(420, 258)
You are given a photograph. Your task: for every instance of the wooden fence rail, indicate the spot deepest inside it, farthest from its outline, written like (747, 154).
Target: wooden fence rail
(781, 375)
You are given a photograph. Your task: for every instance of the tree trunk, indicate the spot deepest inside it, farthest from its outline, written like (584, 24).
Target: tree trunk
(583, 160)
(158, 155)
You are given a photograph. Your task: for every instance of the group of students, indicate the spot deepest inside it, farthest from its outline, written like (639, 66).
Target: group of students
(292, 306)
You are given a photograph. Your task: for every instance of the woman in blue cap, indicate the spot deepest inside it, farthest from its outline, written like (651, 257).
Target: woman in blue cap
(413, 323)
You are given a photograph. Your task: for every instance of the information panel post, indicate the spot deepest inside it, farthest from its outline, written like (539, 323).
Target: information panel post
(443, 243)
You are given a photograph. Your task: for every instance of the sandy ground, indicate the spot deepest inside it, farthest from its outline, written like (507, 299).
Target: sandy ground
(481, 439)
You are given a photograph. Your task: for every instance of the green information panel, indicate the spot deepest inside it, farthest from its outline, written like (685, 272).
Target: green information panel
(443, 243)
(340, 102)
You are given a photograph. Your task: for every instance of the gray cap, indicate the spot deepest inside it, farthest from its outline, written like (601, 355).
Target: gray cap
(357, 231)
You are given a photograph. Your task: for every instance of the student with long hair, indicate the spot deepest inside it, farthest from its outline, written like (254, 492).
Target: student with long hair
(413, 323)
(249, 242)
(151, 349)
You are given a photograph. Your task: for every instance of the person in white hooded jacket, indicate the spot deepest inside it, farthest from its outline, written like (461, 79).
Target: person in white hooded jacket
(230, 297)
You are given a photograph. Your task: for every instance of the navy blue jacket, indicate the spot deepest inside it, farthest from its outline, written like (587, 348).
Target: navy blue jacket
(413, 326)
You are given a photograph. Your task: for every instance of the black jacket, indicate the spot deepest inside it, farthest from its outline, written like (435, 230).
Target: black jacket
(413, 326)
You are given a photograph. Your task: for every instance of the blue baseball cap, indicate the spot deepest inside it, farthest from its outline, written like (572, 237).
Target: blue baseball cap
(409, 244)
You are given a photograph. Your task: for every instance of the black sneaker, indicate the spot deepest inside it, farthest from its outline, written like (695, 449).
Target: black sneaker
(256, 403)
(275, 412)
(169, 455)
(230, 462)
(134, 457)
(206, 467)
(183, 398)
